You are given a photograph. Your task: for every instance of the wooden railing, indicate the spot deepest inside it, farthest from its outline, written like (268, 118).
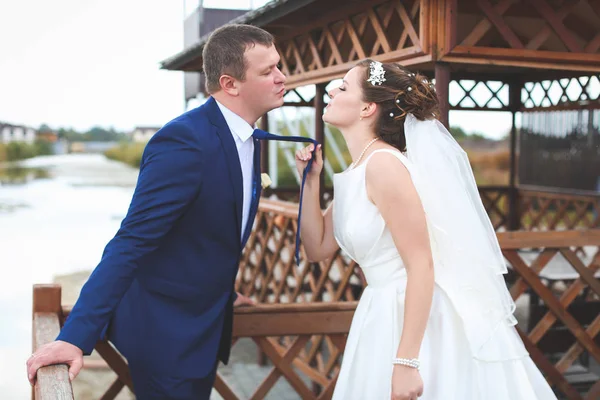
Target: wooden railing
(558, 209)
(564, 302)
(308, 337)
(500, 204)
(289, 335)
(559, 284)
(268, 271)
(526, 207)
(53, 381)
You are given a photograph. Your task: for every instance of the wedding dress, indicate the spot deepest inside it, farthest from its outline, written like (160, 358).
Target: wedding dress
(448, 367)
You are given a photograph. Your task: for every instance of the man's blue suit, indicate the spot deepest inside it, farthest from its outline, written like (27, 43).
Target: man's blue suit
(164, 288)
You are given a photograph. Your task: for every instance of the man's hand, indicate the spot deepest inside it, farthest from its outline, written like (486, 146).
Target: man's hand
(243, 301)
(57, 352)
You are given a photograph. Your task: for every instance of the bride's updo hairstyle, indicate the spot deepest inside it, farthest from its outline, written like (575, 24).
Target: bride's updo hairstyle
(397, 93)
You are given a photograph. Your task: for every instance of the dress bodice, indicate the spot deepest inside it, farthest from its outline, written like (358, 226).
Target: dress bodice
(359, 227)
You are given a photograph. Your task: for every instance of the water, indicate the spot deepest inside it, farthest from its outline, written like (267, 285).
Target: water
(52, 222)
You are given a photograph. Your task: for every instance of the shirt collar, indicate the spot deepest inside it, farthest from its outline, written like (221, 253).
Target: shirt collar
(237, 125)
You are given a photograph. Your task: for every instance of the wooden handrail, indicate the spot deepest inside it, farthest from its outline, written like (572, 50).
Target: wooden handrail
(285, 208)
(52, 381)
(287, 319)
(279, 308)
(548, 239)
(559, 191)
(524, 207)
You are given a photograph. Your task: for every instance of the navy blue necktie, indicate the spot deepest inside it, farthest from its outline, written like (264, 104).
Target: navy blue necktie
(262, 135)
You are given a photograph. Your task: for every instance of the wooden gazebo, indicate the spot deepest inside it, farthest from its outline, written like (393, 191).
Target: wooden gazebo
(525, 54)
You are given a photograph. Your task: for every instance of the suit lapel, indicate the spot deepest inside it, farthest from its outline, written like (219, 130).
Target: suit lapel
(231, 155)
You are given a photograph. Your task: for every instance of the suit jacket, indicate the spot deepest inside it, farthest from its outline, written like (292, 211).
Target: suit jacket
(164, 287)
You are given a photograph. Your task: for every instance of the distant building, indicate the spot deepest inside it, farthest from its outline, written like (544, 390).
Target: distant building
(47, 136)
(16, 133)
(143, 133)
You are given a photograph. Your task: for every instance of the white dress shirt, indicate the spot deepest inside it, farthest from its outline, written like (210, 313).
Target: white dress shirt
(242, 134)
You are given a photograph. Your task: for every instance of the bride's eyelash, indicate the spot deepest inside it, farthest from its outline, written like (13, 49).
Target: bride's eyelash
(343, 89)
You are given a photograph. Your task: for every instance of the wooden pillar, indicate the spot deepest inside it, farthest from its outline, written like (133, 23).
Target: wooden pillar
(514, 93)
(53, 380)
(442, 87)
(264, 168)
(319, 105)
(47, 299)
(264, 145)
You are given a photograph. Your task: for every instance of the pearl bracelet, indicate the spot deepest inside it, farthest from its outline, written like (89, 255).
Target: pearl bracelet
(413, 363)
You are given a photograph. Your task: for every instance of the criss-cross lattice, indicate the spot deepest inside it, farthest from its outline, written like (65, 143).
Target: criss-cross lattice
(559, 93)
(467, 94)
(554, 211)
(501, 25)
(563, 288)
(388, 29)
(495, 200)
(268, 271)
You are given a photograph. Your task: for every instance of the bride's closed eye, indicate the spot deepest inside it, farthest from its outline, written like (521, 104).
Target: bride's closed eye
(343, 89)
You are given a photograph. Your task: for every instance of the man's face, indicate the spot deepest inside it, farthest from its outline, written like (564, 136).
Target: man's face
(264, 86)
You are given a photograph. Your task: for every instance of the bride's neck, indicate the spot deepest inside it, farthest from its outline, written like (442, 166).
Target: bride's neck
(357, 140)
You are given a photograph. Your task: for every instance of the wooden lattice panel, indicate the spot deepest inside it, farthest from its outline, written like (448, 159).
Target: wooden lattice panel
(496, 203)
(269, 273)
(526, 32)
(554, 94)
(564, 301)
(384, 30)
(563, 25)
(304, 343)
(468, 94)
(554, 211)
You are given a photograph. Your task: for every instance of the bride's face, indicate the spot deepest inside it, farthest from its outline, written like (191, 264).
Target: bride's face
(346, 100)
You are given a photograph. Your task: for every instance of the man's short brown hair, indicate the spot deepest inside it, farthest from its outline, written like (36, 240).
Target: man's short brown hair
(223, 53)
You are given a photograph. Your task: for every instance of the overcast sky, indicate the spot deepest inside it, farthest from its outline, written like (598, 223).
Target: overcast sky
(82, 63)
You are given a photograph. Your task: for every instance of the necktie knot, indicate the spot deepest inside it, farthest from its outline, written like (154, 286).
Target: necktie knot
(259, 134)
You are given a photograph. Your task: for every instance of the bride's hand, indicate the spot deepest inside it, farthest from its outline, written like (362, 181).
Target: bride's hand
(406, 383)
(305, 154)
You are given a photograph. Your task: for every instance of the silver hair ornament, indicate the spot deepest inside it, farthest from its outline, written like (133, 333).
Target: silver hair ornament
(376, 73)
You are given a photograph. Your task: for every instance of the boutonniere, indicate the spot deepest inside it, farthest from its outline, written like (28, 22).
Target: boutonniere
(265, 180)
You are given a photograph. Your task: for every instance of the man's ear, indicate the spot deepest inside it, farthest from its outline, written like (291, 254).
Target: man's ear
(368, 110)
(229, 85)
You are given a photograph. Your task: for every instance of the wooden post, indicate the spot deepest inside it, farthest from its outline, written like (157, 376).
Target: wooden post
(442, 87)
(47, 299)
(52, 381)
(319, 105)
(264, 167)
(514, 220)
(264, 145)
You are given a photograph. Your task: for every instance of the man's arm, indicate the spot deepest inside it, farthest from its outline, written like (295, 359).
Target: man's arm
(169, 180)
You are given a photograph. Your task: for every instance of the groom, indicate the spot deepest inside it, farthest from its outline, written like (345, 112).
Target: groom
(163, 291)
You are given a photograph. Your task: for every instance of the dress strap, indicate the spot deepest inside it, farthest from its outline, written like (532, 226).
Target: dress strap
(397, 153)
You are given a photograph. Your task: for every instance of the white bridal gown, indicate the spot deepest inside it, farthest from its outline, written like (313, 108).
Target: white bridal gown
(447, 368)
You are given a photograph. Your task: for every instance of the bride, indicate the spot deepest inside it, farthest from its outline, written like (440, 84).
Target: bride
(436, 319)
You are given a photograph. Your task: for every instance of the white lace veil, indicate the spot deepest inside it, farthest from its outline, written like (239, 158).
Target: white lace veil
(469, 264)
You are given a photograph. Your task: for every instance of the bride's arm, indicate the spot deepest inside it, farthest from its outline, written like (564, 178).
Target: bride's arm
(391, 189)
(317, 230)
(317, 227)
